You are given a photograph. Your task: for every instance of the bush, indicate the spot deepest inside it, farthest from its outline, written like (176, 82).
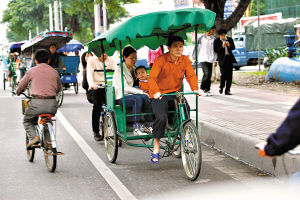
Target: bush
(273, 54)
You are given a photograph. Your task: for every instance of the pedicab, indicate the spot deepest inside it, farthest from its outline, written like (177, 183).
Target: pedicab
(71, 63)
(153, 30)
(43, 41)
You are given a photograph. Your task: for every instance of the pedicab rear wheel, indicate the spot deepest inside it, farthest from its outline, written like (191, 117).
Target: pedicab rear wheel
(30, 152)
(76, 87)
(110, 137)
(191, 151)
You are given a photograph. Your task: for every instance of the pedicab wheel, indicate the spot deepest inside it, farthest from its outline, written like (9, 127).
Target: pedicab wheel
(120, 142)
(177, 149)
(60, 97)
(30, 152)
(76, 87)
(111, 137)
(191, 151)
(101, 126)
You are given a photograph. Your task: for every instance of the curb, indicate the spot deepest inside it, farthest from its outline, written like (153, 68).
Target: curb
(242, 147)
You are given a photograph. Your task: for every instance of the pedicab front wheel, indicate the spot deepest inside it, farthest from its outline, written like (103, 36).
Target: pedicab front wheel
(111, 137)
(191, 151)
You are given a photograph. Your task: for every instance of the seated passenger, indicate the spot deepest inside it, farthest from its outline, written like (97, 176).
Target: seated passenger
(142, 75)
(134, 97)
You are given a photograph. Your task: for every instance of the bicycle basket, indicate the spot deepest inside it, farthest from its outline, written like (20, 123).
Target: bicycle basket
(24, 105)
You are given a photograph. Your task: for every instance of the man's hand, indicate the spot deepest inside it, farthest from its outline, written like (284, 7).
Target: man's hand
(95, 87)
(63, 69)
(199, 92)
(157, 95)
(261, 146)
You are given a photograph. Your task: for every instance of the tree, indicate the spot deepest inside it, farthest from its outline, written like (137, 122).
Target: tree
(218, 7)
(78, 17)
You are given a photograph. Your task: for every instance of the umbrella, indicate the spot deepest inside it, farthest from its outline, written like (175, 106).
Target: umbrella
(73, 45)
(152, 29)
(43, 40)
(16, 47)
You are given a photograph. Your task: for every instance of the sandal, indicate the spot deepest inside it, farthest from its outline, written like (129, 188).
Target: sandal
(154, 155)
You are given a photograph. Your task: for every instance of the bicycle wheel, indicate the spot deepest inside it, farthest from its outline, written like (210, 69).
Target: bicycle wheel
(101, 125)
(30, 152)
(60, 97)
(191, 151)
(76, 87)
(50, 153)
(111, 137)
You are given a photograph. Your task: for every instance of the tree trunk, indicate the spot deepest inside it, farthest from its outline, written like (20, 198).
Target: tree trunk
(217, 6)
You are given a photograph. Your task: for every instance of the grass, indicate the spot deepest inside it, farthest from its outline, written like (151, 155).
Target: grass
(256, 73)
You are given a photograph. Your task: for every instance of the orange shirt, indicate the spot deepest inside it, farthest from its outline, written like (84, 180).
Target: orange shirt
(166, 76)
(143, 85)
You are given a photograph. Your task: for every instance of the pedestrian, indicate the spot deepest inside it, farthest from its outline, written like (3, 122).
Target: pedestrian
(45, 84)
(153, 54)
(135, 98)
(166, 76)
(84, 58)
(11, 72)
(207, 57)
(223, 46)
(95, 78)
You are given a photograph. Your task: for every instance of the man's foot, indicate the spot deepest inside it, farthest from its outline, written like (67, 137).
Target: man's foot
(97, 136)
(154, 158)
(35, 140)
(221, 90)
(228, 93)
(208, 93)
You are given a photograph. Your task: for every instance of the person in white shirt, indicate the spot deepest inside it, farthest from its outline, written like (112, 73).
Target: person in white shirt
(95, 78)
(207, 57)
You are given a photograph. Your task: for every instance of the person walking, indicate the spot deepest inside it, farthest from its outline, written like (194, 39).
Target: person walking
(223, 46)
(207, 57)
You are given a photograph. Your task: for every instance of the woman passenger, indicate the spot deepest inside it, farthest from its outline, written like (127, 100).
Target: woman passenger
(134, 97)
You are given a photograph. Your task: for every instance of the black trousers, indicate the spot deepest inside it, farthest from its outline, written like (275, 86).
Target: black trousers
(206, 79)
(161, 108)
(99, 98)
(226, 74)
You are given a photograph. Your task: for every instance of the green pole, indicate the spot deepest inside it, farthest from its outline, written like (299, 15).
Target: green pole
(196, 53)
(123, 93)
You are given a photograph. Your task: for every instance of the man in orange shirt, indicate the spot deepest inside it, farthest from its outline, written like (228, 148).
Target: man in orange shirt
(166, 76)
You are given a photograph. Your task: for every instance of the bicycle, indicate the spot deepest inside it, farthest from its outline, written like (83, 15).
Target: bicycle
(45, 131)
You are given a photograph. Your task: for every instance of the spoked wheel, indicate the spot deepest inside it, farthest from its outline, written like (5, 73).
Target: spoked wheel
(76, 87)
(30, 152)
(111, 137)
(60, 97)
(191, 151)
(50, 153)
(177, 149)
(101, 125)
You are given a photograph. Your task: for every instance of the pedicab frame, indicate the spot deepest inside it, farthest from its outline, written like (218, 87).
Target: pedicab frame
(43, 41)
(152, 30)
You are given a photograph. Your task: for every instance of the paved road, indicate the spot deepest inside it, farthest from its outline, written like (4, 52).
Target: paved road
(84, 172)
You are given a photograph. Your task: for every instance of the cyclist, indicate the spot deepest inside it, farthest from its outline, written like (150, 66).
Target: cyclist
(45, 84)
(166, 76)
(95, 77)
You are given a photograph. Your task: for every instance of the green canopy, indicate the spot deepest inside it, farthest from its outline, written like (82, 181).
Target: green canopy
(152, 29)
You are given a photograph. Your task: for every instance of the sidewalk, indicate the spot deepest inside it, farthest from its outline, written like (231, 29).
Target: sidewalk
(235, 123)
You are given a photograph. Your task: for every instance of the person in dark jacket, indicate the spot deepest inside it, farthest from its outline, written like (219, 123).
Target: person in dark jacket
(287, 135)
(223, 46)
(55, 59)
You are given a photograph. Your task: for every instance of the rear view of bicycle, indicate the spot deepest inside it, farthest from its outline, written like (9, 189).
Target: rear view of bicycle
(45, 131)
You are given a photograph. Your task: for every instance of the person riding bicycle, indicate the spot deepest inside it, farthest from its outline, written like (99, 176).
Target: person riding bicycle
(55, 59)
(45, 84)
(166, 76)
(95, 77)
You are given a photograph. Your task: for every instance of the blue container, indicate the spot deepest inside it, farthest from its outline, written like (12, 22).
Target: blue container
(69, 79)
(285, 70)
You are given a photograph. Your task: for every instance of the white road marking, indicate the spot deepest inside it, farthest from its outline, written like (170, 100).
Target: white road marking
(107, 174)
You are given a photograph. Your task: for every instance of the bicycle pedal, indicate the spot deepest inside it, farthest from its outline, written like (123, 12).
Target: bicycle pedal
(35, 146)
